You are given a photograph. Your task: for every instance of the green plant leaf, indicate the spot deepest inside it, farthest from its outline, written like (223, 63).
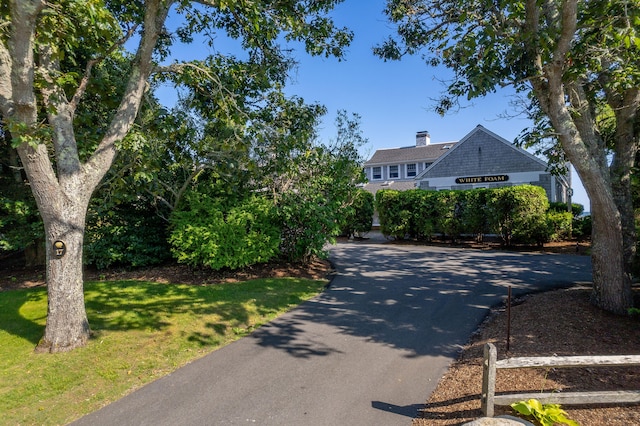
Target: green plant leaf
(545, 414)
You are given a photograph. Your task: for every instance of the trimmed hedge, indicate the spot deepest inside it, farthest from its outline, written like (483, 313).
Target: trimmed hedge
(518, 214)
(358, 215)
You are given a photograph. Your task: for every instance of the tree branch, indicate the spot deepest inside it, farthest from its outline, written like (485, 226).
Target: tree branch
(568, 25)
(59, 115)
(179, 69)
(96, 167)
(20, 47)
(82, 87)
(6, 103)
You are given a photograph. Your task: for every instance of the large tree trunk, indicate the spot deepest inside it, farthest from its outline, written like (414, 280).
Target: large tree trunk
(611, 274)
(625, 106)
(62, 206)
(611, 277)
(67, 325)
(585, 149)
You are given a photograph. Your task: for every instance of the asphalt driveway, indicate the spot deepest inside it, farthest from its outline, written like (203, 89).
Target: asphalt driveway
(368, 351)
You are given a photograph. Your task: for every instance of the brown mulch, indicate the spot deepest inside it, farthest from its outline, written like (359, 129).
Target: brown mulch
(561, 322)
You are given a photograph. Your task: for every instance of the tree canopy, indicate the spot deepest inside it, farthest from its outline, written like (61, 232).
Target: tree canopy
(53, 52)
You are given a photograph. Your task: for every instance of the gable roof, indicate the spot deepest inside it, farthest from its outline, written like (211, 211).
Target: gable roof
(480, 136)
(409, 154)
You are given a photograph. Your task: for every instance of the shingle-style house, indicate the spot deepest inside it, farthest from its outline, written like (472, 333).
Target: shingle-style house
(397, 168)
(481, 159)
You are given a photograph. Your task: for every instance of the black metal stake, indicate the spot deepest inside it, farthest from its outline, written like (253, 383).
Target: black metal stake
(508, 318)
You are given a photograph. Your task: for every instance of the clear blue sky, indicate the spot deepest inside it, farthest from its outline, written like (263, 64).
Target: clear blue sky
(393, 99)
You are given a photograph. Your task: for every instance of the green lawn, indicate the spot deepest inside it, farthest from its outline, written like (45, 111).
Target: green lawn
(141, 331)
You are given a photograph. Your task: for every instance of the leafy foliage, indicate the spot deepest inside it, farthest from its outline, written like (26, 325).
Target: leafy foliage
(582, 227)
(127, 234)
(357, 216)
(20, 224)
(53, 86)
(311, 183)
(518, 214)
(216, 233)
(393, 213)
(448, 213)
(307, 220)
(576, 209)
(474, 212)
(560, 225)
(546, 414)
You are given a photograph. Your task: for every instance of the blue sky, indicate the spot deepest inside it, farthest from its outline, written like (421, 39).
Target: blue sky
(394, 99)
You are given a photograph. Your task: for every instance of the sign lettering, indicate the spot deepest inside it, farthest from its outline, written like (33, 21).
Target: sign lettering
(482, 179)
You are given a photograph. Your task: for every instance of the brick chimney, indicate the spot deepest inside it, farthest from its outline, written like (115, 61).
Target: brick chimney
(423, 138)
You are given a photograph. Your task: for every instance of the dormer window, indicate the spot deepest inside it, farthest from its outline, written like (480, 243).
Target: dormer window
(411, 170)
(393, 172)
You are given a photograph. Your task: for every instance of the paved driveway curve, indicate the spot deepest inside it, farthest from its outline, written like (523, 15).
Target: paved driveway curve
(368, 351)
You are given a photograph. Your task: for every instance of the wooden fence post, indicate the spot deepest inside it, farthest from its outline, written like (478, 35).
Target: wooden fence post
(488, 379)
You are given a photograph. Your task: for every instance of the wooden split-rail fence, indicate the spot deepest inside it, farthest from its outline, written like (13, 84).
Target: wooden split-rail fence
(489, 399)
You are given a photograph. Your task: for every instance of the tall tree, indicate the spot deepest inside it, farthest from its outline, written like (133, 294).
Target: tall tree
(39, 99)
(580, 63)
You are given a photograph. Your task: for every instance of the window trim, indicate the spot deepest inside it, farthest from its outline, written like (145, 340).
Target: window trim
(396, 174)
(414, 170)
(373, 173)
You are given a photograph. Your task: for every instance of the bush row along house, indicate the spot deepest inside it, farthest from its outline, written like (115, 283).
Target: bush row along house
(481, 159)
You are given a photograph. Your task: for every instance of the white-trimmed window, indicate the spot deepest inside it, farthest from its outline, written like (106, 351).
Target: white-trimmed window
(426, 165)
(411, 170)
(393, 172)
(376, 173)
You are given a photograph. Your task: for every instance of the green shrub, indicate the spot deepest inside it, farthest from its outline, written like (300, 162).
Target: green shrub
(307, 222)
(422, 207)
(559, 225)
(20, 224)
(390, 207)
(448, 213)
(220, 233)
(128, 234)
(581, 227)
(474, 212)
(576, 209)
(518, 214)
(358, 215)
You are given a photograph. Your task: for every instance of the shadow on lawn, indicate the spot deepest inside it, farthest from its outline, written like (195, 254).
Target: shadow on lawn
(16, 316)
(136, 305)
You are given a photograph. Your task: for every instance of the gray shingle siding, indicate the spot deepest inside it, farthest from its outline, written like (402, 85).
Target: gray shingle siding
(545, 182)
(483, 154)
